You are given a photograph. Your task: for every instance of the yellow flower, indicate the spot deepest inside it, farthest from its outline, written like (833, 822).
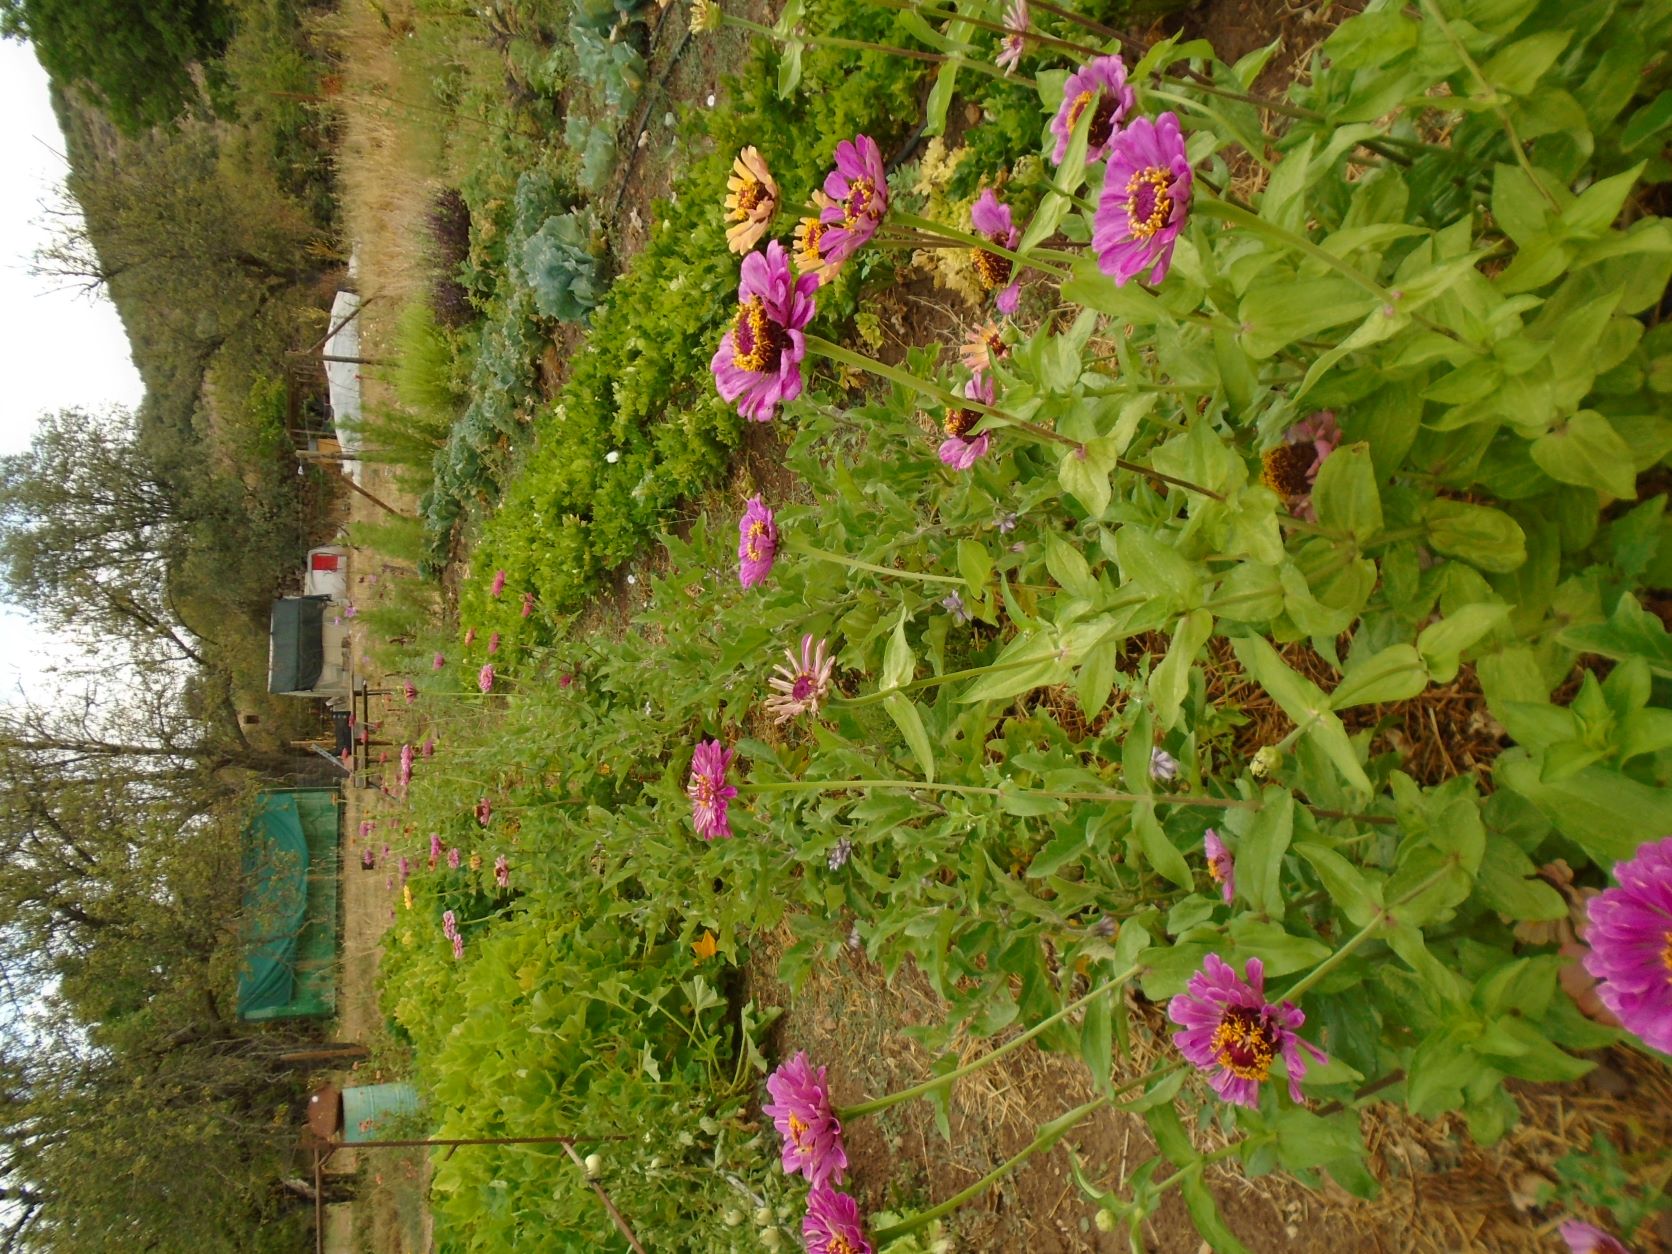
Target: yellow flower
(406, 895)
(751, 200)
(706, 17)
(705, 946)
(475, 862)
(807, 252)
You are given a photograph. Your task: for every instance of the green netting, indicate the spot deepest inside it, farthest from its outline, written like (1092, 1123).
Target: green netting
(290, 870)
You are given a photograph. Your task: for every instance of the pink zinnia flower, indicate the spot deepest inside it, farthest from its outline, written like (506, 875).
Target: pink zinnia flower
(833, 1224)
(1146, 198)
(449, 924)
(565, 681)
(453, 859)
(368, 859)
(350, 611)
(1221, 866)
(758, 363)
(428, 749)
(802, 684)
(1290, 469)
(410, 690)
(484, 811)
(484, 677)
(469, 636)
(1584, 1238)
(498, 585)
(502, 872)
(1630, 939)
(435, 847)
(960, 450)
(439, 662)
(1014, 43)
(1100, 86)
(367, 826)
(757, 543)
(406, 868)
(493, 644)
(458, 948)
(991, 217)
(528, 604)
(1234, 1034)
(858, 192)
(406, 765)
(800, 1109)
(709, 791)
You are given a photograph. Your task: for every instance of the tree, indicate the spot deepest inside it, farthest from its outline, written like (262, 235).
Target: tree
(135, 56)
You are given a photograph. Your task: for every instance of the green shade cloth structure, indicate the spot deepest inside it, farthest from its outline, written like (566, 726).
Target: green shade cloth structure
(296, 644)
(368, 1111)
(290, 869)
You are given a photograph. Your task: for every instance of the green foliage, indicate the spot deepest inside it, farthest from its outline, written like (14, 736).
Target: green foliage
(560, 262)
(424, 369)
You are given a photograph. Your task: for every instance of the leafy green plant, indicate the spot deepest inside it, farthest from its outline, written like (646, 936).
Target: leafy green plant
(562, 263)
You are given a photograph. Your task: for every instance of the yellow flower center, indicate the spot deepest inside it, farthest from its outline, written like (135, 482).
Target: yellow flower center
(1666, 957)
(798, 1130)
(757, 533)
(809, 233)
(749, 194)
(757, 341)
(861, 192)
(1216, 870)
(1148, 203)
(1244, 1044)
(959, 421)
(839, 1245)
(1079, 107)
(992, 269)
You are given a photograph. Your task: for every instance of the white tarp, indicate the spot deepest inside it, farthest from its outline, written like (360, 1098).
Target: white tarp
(342, 378)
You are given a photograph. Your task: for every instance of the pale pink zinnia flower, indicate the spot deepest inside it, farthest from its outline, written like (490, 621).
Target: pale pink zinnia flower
(428, 748)
(1290, 469)
(800, 1109)
(498, 585)
(410, 690)
(1014, 42)
(439, 662)
(757, 543)
(802, 684)
(469, 636)
(708, 790)
(435, 847)
(458, 948)
(1584, 1238)
(484, 811)
(1221, 866)
(961, 450)
(493, 644)
(502, 872)
(1100, 86)
(1145, 201)
(1234, 1034)
(751, 200)
(453, 858)
(528, 604)
(449, 924)
(833, 1224)
(1630, 939)
(484, 677)
(406, 765)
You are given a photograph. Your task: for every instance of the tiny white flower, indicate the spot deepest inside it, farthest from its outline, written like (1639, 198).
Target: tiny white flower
(667, 118)
(710, 100)
(631, 580)
(644, 138)
(613, 456)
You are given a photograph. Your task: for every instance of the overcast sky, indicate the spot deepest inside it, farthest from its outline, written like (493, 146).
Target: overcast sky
(61, 349)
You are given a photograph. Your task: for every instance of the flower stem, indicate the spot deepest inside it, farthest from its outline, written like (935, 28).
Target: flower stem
(824, 555)
(992, 1056)
(1079, 19)
(1382, 918)
(1031, 36)
(931, 681)
(982, 243)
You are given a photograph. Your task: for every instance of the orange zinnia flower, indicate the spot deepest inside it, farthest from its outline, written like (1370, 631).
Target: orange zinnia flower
(705, 946)
(751, 200)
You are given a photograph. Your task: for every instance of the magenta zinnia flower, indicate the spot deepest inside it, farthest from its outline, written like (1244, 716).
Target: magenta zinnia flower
(410, 691)
(484, 677)
(991, 218)
(833, 1225)
(502, 872)
(439, 662)
(758, 363)
(528, 604)
(960, 450)
(709, 791)
(449, 924)
(800, 1110)
(435, 847)
(802, 684)
(1100, 86)
(406, 765)
(493, 644)
(858, 191)
(1234, 1034)
(1220, 863)
(484, 811)
(1014, 42)
(757, 543)
(406, 868)
(1146, 198)
(453, 859)
(1584, 1238)
(1630, 939)
(428, 749)
(498, 585)
(458, 948)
